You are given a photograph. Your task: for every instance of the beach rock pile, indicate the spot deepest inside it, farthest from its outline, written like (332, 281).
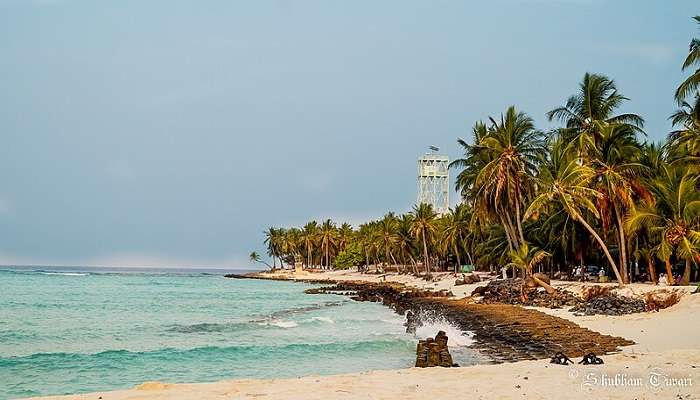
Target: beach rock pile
(609, 304)
(434, 352)
(510, 291)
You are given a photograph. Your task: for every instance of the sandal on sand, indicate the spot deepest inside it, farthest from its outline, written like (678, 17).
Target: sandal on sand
(561, 359)
(590, 358)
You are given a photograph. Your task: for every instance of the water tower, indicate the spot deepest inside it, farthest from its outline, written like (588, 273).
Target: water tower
(434, 180)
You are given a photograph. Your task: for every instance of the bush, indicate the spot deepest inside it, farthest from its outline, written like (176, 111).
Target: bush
(348, 258)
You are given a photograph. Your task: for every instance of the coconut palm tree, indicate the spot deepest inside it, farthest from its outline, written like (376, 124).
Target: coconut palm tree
(345, 234)
(255, 257)
(423, 228)
(387, 235)
(674, 216)
(617, 179)
(514, 146)
(684, 143)
(327, 237)
(525, 258)
(689, 87)
(405, 241)
(564, 181)
(309, 237)
(455, 229)
(472, 162)
(586, 113)
(274, 243)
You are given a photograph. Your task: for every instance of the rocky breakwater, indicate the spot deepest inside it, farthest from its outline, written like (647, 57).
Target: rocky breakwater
(501, 331)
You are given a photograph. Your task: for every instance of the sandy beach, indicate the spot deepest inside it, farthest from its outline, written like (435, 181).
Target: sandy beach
(664, 363)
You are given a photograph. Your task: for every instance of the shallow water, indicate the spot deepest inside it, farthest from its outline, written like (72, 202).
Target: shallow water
(68, 332)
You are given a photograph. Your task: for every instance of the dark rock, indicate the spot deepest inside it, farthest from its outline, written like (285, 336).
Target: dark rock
(434, 352)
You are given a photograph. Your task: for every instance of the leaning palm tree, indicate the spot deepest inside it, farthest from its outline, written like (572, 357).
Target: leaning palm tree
(255, 257)
(690, 86)
(274, 242)
(673, 216)
(586, 113)
(423, 228)
(564, 181)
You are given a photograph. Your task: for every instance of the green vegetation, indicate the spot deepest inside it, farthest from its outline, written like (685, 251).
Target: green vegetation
(592, 192)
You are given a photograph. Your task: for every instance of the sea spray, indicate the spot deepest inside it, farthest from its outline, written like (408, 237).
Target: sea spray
(429, 327)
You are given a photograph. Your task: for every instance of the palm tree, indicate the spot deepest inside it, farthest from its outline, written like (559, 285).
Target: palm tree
(690, 85)
(255, 257)
(564, 181)
(526, 258)
(455, 229)
(309, 236)
(404, 240)
(647, 254)
(274, 241)
(586, 113)
(387, 233)
(497, 170)
(617, 178)
(345, 234)
(423, 228)
(514, 146)
(472, 162)
(327, 235)
(673, 217)
(684, 143)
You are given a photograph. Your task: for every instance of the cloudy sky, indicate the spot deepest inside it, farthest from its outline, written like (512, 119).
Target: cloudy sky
(172, 133)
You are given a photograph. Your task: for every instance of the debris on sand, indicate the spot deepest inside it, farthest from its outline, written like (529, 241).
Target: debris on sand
(610, 304)
(510, 291)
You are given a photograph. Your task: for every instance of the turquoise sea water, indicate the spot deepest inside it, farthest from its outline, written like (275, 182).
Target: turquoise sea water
(70, 332)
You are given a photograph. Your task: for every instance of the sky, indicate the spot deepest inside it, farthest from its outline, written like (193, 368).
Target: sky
(173, 133)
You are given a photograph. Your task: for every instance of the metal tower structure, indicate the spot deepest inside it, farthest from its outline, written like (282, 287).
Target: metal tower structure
(434, 180)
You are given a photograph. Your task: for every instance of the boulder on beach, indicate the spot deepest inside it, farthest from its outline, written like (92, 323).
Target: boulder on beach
(433, 352)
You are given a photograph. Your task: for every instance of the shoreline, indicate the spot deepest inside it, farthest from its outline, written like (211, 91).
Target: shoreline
(653, 352)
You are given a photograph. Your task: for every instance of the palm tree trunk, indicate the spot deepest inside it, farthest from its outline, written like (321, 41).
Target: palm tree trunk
(459, 261)
(505, 229)
(518, 221)
(425, 254)
(669, 272)
(686, 272)
(652, 269)
(623, 245)
(603, 246)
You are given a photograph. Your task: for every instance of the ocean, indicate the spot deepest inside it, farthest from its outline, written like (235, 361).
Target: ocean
(74, 330)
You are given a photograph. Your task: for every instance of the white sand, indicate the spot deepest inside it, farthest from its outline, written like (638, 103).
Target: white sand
(668, 345)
